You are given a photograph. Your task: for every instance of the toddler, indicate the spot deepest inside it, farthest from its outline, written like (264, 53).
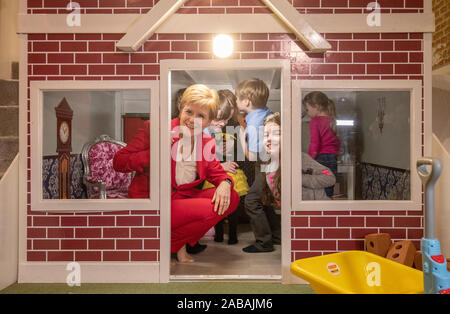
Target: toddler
(225, 145)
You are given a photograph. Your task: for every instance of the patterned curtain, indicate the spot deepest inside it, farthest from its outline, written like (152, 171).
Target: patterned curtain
(384, 183)
(50, 177)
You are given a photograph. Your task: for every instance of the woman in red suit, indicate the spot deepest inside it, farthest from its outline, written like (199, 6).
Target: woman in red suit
(193, 210)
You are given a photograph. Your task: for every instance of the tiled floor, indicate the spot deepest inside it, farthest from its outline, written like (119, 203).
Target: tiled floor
(222, 260)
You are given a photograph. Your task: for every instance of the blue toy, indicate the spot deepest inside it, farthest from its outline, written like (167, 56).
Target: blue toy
(436, 277)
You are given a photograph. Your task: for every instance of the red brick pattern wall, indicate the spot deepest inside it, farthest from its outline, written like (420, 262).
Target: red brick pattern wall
(134, 235)
(119, 236)
(317, 233)
(353, 56)
(223, 6)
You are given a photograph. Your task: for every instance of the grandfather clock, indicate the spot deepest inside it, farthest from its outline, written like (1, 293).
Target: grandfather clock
(64, 116)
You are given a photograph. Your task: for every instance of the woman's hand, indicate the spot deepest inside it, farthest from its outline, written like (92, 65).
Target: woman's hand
(230, 166)
(221, 198)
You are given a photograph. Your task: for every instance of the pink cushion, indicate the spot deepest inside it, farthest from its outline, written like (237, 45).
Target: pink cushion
(101, 163)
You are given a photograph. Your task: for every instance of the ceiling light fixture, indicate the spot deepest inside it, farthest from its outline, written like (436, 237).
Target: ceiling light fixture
(223, 46)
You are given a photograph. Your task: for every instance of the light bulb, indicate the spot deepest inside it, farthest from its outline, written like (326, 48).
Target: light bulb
(223, 46)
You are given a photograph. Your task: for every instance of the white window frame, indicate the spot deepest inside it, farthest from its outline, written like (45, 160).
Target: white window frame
(415, 88)
(222, 64)
(81, 205)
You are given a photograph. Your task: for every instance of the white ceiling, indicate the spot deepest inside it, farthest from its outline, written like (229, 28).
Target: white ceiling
(272, 77)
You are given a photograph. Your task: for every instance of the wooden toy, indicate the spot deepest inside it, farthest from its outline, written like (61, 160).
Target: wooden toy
(402, 252)
(418, 260)
(378, 243)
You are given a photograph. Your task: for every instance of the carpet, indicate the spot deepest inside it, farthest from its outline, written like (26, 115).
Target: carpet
(161, 288)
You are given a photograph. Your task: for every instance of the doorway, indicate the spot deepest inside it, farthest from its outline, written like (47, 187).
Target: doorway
(221, 260)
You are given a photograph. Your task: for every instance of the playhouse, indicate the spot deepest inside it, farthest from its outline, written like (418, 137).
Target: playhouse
(90, 68)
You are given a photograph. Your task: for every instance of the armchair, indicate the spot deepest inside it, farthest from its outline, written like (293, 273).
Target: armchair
(100, 178)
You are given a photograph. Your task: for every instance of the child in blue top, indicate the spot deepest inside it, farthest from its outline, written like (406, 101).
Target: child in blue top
(252, 96)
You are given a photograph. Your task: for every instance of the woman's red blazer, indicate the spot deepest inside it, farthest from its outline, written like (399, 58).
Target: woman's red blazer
(136, 155)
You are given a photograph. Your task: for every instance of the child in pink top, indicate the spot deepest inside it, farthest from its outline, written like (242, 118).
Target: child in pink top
(325, 144)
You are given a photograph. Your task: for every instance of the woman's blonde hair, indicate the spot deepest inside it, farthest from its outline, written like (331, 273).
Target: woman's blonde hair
(203, 96)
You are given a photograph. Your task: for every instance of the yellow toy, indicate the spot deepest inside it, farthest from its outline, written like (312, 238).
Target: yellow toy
(239, 178)
(240, 182)
(358, 272)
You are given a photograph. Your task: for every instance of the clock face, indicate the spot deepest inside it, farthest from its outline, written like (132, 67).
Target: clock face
(64, 132)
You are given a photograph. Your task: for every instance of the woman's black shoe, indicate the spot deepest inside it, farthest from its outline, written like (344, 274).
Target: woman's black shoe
(197, 248)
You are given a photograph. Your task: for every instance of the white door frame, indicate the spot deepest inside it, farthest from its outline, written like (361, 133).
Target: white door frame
(165, 188)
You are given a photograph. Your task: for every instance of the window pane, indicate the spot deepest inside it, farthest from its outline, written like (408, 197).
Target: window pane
(369, 152)
(82, 132)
